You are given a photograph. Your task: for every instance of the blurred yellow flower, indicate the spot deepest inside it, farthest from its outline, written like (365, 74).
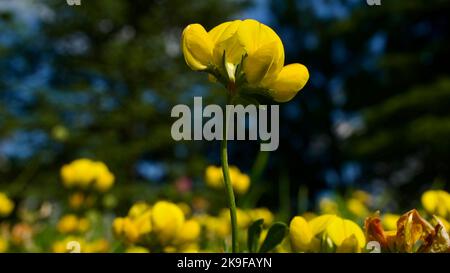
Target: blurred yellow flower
(239, 180)
(71, 223)
(389, 221)
(137, 249)
(328, 206)
(167, 220)
(185, 208)
(6, 205)
(3, 245)
(356, 207)
(437, 202)
(189, 232)
(125, 228)
(243, 218)
(76, 200)
(84, 173)
(363, 196)
(96, 246)
(245, 52)
(262, 213)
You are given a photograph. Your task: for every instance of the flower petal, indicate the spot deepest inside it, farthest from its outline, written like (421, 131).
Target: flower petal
(223, 31)
(300, 234)
(257, 65)
(320, 223)
(197, 47)
(340, 230)
(290, 80)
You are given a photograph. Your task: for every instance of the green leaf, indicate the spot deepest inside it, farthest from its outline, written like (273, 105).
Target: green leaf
(274, 237)
(254, 232)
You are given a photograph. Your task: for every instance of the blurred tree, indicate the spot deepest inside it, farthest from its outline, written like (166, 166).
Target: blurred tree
(376, 110)
(110, 71)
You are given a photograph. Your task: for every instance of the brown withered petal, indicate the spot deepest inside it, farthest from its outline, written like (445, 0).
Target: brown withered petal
(439, 241)
(413, 232)
(374, 230)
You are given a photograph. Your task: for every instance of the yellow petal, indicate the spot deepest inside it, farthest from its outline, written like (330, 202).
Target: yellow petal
(264, 49)
(320, 223)
(300, 233)
(436, 202)
(340, 230)
(223, 31)
(290, 80)
(349, 245)
(167, 219)
(253, 35)
(234, 51)
(197, 47)
(258, 64)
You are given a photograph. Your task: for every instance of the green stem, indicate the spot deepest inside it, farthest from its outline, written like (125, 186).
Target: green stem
(229, 188)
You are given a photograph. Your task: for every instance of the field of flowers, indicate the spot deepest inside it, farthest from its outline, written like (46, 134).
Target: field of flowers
(86, 222)
(346, 110)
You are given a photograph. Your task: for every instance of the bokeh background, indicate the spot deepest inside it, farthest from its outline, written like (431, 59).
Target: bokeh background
(99, 80)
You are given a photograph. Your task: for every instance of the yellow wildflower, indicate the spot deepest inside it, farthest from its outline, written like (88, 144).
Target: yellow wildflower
(239, 180)
(357, 207)
(6, 205)
(84, 172)
(346, 235)
(437, 202)
(390, 221)
(137, 249)
(167, 220)
(262, 213)
(189, 232)
(3, 245)
(245, 52)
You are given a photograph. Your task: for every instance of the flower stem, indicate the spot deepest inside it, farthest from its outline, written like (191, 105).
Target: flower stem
(229, 187)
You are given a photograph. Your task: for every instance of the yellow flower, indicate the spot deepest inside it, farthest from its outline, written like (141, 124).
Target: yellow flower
(137, 249)
(185, 208)
(244, 52)
(437, 202)
(357, 207)
(239, 180)
(167, 220)
(262, 213)
(362, 196)
(83, 225)
(301, 235)
(243, 218)
(6, 205)
(84, 172)
(104, 178)
(97, 246)
(68, 224)
(328, 206)
(215, 226)
(76, 200)
(339, 230)
(346, 235)
(3, 245)
(189, 232)
(69, 244)
(138, 209)
(124, 227)
(214, 177)
(390, 221)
